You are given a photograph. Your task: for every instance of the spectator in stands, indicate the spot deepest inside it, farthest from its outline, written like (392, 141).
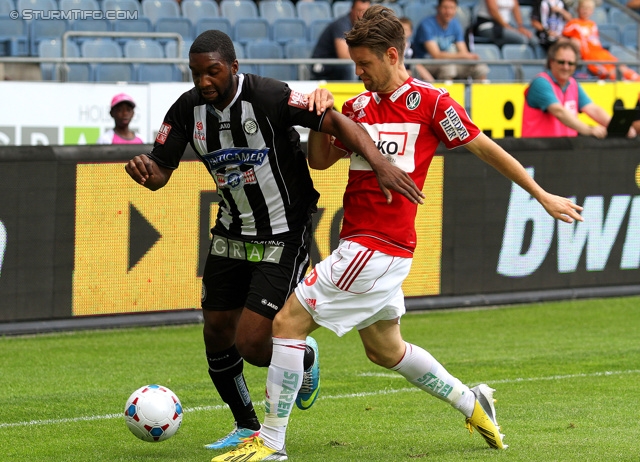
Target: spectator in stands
(122, 110)
(584, 32)
(441, 37)
(554, 98)
(548, 18)
(494, 21)
(331, 44)
(634, 5)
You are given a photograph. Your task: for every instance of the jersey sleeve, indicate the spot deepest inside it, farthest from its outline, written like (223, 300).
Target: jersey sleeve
(583, 98)
(172, 137)
(451, 123)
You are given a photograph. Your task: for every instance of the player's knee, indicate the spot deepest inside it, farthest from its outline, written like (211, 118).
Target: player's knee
(381, 358)
(256, 352)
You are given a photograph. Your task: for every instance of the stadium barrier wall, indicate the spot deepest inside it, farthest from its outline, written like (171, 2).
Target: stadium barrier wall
(79, 239)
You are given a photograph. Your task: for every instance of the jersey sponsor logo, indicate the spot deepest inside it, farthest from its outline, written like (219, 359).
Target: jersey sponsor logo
(413, 100)
(311, 302)
(199, 125)
(234, 157)
(297, 99)
(249, 251)
(311, 278)
(361, 114)
(361, 102)
(453, 126)
(250, 126)
(396, 94)
(225, 126)
(391, 143)
(163, 133)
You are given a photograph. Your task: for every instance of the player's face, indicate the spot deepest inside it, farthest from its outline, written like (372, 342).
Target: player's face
(375, 73)
(213, 78)
(122, 114)
(563, 65)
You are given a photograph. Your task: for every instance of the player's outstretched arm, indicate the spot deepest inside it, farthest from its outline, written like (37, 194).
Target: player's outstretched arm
(558, 207)
(358, 140)
(321, 152)
(146, 172)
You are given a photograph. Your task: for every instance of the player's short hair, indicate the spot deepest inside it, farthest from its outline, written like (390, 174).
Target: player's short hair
(378, 30)
(214, 41)
(561, 45)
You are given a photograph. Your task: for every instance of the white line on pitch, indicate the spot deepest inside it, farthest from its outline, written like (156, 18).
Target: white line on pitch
(344, 396)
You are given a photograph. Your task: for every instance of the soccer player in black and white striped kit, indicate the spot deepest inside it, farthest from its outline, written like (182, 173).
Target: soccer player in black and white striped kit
(241, 127)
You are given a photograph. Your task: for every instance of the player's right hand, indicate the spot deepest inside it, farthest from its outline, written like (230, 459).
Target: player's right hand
(140, 168)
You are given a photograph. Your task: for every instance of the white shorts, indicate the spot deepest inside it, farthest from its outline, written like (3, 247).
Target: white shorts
(354, 287)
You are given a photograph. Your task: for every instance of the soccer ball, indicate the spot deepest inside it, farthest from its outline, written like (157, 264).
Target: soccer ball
(153, 413)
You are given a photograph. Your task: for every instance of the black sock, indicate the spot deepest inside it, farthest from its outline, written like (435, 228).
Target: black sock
(309, 357)
(225, 370)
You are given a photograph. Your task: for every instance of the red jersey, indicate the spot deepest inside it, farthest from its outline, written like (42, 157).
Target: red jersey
(407, 126)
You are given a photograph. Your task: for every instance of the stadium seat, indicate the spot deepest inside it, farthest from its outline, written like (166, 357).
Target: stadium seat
(41, 5)
(88, 5)
(599, 16)
(488, 51)
(240, 53)
(277, 9)
(463, 14)
(268, 49)
(90, 25)
(610, 34)
(106, 72)
(236, 9)
(620, 18)
(194, 10)
(312, 11)
(129, 6)
(141, 24)
(53, 49)
(625, 54)
(181, 72)
(316, 28)
(525, 12)
(285, 30)
(246, 30)
(501, 73)
(396, 7)
(512, 52)
(300, 49)
(630, 36)
(149, 72)
(417, 11)
(156, 9)
(221, 24)
(113, 73)
(14, 37)
(180, 26)
(342, 7)
(44, 30)
(6, 7)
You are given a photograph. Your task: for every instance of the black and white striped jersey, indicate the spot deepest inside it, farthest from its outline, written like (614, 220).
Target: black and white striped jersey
(252, 152)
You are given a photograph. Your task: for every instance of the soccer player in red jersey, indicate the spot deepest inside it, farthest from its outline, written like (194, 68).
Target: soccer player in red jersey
(360, 284)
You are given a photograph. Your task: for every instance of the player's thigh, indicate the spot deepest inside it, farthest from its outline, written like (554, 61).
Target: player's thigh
(225, 283)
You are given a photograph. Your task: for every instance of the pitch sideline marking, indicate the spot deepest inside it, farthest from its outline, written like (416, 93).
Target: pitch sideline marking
(350, 395)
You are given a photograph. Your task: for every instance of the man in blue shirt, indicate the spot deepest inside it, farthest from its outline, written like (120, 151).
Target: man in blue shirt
(331, 44)
(441, 37)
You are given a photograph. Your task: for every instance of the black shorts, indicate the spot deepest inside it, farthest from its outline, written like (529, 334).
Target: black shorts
(255, 273)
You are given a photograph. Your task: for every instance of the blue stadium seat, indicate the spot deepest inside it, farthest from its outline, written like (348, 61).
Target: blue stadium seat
(630, 36)
(300, 49)
(246, 30)
(312, 11)
(194, 10)
(619, 18)
(44, 30)
(128, 6)
(512, 52)
(14, 37)
(156, 9)
(417, 11)
(268, 49)
(221, 24)
(624, 54)
(143, 48)
(240, 53)
(342, 7)
(53, 49)
(148, 72)
(6, 7)
(106, 72)
(89, 5)
(236, 9)
(488, 51)
(285, 30)
(113, 73)
(316, 28)
(180, 26)
(41, 5)
(180, 71)
(610, 34)
(141, 24)
(501, 73)
(277, 9)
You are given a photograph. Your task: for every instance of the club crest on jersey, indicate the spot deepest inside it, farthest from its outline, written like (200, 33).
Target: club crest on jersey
(161, 137)
(413, 100)
(453, 126)
(361, 102)
(250, 126)
(297, 99)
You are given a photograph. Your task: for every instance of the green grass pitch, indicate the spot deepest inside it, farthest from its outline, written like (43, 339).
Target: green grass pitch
(567, 376)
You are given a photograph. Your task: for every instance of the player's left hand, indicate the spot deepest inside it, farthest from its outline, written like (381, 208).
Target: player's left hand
(562, 208)
(320, 99)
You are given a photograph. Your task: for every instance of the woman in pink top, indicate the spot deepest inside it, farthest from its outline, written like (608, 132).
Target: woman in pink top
(122, 106)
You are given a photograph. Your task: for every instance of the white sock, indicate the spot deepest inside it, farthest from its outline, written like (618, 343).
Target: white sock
(284, 380)
(425, 372)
